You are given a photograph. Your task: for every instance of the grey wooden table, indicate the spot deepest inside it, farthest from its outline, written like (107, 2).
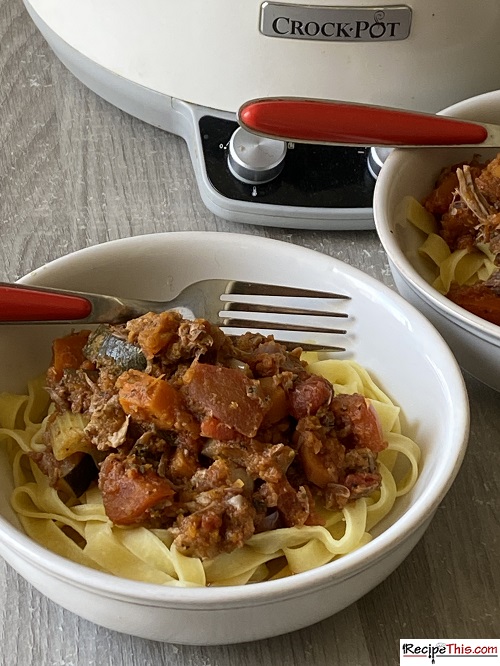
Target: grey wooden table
(74, 171)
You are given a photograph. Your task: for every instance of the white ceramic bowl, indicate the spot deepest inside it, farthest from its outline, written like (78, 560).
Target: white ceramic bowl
(475, 342)
(387, 335)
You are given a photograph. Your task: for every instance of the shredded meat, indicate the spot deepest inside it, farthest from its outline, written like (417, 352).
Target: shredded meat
(214, 438)
(108, 424)
(72, 390)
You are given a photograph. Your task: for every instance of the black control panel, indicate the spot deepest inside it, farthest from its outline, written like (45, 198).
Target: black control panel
(315, 176)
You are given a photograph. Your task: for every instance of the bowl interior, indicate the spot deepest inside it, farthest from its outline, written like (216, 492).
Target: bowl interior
(404, 353)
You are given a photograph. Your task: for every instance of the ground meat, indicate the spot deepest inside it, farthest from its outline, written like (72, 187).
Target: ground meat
(260, 460)
(295, 507)
(222, 520)
(362, 484)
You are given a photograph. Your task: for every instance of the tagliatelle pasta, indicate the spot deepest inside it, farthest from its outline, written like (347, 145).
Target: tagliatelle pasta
(80, 530)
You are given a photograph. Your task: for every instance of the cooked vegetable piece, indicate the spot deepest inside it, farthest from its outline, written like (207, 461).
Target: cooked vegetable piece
(154, 331)
(356, 423)
(214, 429)
(65, 434)
(227, 394)
(128, 492)
(153, 399)
(276, 400)
(73, 475)
(103, 344)
(67, 353)
(321, 460)
(79, 477)
(183, 463)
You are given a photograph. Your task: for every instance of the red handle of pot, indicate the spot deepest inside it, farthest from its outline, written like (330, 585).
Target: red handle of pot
(345, 123)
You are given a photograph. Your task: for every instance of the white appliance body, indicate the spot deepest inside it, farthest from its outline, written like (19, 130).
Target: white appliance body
(170, 63)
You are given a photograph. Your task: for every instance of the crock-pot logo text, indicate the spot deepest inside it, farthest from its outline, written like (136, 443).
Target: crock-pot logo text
(336, 24)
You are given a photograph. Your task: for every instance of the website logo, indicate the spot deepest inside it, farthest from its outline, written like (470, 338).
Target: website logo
(466, 652)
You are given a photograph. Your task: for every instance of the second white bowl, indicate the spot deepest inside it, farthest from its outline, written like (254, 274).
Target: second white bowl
(413, 172)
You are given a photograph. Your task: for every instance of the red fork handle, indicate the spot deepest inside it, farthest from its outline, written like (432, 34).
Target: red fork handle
(346, 123)
(22, 303)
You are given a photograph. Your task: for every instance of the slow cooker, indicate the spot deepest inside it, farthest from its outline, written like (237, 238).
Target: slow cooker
(188, 66)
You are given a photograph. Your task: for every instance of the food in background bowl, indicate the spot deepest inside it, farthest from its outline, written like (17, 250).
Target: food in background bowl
(460, 218)
(174, 454)
(413, 173)
(387, 337)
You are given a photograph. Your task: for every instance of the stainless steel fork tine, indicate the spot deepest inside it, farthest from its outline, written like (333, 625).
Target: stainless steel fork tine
(280, 321)
(258, 288)
(285, 304)
(310, 347)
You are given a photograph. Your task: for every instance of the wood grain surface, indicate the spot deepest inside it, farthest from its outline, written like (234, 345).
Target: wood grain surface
(75, 171)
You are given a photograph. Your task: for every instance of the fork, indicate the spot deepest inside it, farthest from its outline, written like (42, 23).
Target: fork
(297, 317)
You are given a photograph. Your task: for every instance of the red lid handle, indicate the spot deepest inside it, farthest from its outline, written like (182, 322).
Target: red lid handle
(324, 121)
(21, 303)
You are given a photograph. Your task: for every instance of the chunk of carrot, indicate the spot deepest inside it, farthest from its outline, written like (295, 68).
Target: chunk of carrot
(128, 494)
(153, 400)
(67, 352)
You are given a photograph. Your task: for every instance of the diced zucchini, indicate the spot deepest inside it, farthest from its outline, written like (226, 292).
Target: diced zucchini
(103, 344)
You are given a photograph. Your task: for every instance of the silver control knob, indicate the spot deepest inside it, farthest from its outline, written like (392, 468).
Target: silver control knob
(255, 159)
(376, 158)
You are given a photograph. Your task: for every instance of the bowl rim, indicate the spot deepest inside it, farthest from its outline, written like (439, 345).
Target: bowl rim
(417, 515)
(385, 230)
